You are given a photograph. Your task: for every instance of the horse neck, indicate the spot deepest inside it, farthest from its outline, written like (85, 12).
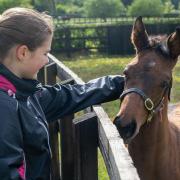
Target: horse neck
(153, 138)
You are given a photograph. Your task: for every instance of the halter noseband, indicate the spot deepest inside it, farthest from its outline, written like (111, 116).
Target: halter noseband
(148, 103)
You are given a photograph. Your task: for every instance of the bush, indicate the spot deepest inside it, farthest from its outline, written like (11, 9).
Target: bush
(168, 7)
(67, 9)
(40, 5)
(60, 38)
(146, 8)
(103, 8)
(5, 4)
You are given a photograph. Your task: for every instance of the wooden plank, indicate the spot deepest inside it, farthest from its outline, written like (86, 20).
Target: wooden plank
(118, 162)
(67, 148)
(68, 41)
(67, 143)
(86, 143)
(50, 79)
(50, 71)
(68, 81)
(54, 142)
(41, 76)
(63, 72)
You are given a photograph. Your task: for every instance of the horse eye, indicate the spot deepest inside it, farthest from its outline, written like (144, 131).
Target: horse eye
(164, 84)
(126, 74)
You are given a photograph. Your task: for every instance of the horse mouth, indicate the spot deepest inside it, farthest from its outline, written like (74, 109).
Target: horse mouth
(127, 132)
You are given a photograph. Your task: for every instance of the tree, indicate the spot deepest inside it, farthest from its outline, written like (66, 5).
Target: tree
(52, 5)
(64, 1)
(45, 5)
(127, 2)
(146, 8)
(68, 10)
(5, 4)
(103, 8)
(41, 5)
(176, 3)
(168, 7)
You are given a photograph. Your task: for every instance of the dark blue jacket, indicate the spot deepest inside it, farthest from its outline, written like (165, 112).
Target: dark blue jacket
(25, 114)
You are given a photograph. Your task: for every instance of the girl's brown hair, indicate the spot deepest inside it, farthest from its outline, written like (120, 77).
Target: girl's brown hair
(23, 26)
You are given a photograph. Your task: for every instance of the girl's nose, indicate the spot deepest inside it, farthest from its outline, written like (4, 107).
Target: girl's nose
(47, 61)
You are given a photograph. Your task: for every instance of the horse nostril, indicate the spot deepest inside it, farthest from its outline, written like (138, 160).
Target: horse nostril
(128, 131)
(125, 131)
(117, 121)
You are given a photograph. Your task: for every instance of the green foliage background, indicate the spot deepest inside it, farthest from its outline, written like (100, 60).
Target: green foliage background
(146, 8)
(5, 4)
(97, 8)
(104, 8)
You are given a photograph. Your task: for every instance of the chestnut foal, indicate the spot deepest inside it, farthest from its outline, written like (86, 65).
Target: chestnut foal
(153, 140)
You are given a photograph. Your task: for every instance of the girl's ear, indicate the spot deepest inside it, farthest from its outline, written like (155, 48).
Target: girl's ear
(22, 52)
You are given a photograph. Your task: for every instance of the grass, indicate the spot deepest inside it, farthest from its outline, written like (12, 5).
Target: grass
(93, 66)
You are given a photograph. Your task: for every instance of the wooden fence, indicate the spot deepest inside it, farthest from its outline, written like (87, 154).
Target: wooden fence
(75, 139)
(110, 39)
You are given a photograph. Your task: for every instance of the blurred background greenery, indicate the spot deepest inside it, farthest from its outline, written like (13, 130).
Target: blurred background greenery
(100, 8)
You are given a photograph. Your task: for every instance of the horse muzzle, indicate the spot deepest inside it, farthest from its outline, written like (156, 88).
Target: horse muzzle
(128, 131)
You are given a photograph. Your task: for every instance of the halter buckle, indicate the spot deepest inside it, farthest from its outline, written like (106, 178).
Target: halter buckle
(149, 104)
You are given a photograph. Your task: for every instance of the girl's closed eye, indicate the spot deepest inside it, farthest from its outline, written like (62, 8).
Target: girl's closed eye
(46, 53)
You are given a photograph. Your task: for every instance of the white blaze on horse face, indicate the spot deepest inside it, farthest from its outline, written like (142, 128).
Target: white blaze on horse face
(151, 64)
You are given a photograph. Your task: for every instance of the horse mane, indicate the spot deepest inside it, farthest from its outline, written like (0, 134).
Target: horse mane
(157, 42)
(154, 40)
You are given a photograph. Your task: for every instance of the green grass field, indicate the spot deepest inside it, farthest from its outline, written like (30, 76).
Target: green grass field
(89, 67)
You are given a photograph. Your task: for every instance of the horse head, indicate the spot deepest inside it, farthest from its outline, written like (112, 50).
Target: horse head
(148, 79)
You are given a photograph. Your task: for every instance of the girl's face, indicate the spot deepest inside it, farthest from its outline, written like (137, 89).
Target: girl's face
(37, 59)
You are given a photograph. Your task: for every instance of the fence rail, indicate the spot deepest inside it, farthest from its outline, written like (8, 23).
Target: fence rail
(67, 21)
(75, 152)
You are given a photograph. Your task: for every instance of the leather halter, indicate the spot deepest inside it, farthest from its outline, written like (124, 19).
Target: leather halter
(148, 103)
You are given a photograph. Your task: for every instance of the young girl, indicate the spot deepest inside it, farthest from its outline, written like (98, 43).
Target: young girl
(26, 107)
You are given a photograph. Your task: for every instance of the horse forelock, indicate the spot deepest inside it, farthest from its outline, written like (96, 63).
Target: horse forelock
(156, 39)
(159, 44)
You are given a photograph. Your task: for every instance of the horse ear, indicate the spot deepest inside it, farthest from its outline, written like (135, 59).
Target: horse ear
(139, 36)
(173, 43)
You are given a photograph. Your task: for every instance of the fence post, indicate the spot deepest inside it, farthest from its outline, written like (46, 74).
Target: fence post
(67, 148)
(50, 79)
(68, 42)
(86, 143)
(41, 76)
(67, 141)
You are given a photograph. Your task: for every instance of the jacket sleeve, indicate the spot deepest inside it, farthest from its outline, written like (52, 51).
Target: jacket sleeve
(11, 153)
(60, 100)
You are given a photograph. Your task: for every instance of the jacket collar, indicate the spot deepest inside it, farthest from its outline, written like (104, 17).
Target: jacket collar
(23, 87)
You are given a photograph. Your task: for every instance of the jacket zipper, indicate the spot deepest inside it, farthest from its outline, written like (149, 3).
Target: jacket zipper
(42, 124)
(47, 136)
